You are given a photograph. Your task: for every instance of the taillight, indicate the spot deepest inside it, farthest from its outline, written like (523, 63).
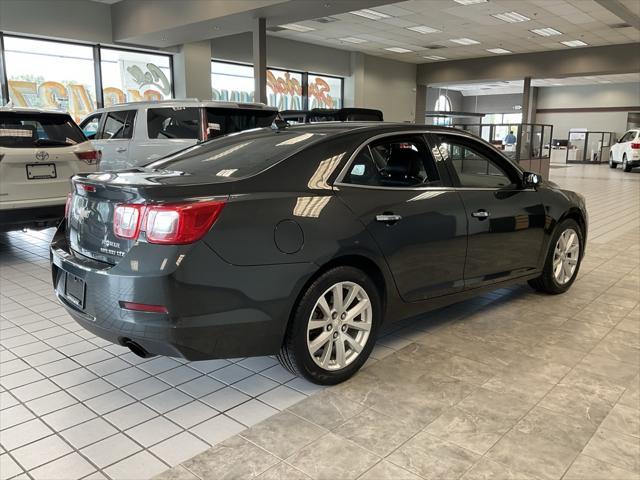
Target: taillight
(169, 224)
(91, 157)
(126, 221)
(67, 206)
(635, 145)
(180, 223)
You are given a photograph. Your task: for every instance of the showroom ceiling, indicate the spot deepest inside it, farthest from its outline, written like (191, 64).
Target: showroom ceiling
(516, 86)
(420, 31)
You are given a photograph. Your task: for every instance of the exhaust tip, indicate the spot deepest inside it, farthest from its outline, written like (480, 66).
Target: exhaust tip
(137, 349)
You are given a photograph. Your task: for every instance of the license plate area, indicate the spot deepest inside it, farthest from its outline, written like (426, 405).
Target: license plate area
(41, 171)
(74, 290)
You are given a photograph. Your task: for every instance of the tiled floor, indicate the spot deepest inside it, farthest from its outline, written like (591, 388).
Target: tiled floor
(513, 385)
(508, 385)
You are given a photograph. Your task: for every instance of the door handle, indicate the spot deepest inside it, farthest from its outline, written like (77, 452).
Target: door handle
(481, 214)
(388, 218)
(121, 149)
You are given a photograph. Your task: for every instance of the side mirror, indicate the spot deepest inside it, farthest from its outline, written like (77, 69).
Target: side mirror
(531, 180)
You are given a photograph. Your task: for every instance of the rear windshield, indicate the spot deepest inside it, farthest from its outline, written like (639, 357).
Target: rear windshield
(33, 130)
(237, 156)
(221, 121)
(177, 122)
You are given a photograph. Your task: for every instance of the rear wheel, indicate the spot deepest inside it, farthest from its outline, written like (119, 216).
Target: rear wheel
(612, 164)
(625, 165)
(563, 259)
(334, 327)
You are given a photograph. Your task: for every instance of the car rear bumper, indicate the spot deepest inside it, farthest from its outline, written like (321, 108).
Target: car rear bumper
(30, 217)
(215, 309)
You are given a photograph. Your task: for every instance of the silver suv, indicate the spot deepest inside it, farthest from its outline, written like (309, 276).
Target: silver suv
(133, 134)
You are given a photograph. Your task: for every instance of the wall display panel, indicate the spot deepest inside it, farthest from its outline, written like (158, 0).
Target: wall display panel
(134, 76)
(324, 92)
(231, 82)
(52, 75)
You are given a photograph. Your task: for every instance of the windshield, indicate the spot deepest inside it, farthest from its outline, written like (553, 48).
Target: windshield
(33, 130)
(238, 156)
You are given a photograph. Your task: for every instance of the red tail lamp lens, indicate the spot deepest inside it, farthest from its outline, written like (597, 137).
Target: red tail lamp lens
(144, 307)
(91, 157)
(635, 145)
(181, 223)
(126, 221)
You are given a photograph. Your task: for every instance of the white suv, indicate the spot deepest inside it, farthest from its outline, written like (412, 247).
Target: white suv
(39, 151)
(626, 151)
(134, 134)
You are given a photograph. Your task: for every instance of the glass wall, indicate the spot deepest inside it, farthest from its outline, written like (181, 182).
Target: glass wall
(324, 92)
(133, 76)
(47, 74)
(231, 82)
(284, 89)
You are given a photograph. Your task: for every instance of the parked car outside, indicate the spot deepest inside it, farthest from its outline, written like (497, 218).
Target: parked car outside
(302, 241)
(40, 151)
(133, 134)
(626, 151)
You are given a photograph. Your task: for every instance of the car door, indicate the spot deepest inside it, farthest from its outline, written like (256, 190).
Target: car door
(114, 139)
(403, 199)
(505, 221)
(619, 147)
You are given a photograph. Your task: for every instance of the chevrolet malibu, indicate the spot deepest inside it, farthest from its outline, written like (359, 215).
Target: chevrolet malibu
(302, 241)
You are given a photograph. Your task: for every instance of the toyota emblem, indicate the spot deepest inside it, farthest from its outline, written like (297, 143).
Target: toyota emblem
(42, 156)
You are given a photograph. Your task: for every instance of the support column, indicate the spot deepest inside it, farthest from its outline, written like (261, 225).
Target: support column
(260, 60)
(421, 104)
(529, 101)
(192, 70)
(354, 83)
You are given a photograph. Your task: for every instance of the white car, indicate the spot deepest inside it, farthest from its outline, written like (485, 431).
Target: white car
(39, 151)
(134, 134)
(626, 151)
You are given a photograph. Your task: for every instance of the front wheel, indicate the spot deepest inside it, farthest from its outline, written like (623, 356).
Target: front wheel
(333, 328)
(563, 259)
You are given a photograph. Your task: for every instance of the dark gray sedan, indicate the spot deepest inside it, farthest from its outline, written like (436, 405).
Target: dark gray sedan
(302, 241)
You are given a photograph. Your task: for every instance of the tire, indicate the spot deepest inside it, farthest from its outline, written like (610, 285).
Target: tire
(612, 164)
(625, 165)
(322, 366)
(549, 281)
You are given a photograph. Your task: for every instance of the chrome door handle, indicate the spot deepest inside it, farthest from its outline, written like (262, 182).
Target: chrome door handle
(121, 149)
(388, 218)
(482, 214)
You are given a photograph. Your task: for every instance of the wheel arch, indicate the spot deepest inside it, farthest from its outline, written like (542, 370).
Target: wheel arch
(577, 216)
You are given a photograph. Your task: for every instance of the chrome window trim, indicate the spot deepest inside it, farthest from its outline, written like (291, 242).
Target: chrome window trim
(339, 183)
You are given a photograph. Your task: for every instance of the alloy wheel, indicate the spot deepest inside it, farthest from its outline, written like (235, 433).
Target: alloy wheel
(565, 256)
(339, 325)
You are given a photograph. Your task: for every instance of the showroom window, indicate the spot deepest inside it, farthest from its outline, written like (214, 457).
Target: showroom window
(134, 76)
(324, 91)
(53, 75)
(443, 104)
(284, 89)
(231, 82)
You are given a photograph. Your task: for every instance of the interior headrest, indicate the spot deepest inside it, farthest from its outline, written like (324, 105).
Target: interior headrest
(404, 162)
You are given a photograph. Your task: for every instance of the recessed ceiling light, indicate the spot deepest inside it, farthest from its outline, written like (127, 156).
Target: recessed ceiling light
(498, 50)
(370, 14)
(353, 40)
(546, 32)
(398, 50)
(574, 43)
(464, 41)
(423, 29)
(469, 2)
(511, 17)
(296, 27)
(435, 57)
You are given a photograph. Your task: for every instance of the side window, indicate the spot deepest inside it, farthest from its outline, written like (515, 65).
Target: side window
(402, 161)
(473, 165)
(178, 122)
(90, 126)
(118, 125)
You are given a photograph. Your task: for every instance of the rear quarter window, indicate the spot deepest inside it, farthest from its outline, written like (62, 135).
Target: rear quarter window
(36, 130)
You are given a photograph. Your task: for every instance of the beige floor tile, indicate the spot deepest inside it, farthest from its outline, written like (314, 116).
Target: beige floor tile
(578, 404)
(388, 471)
(327, 409)
(587, 468)
(615, 448)
(616, 371)
(487, 469)
(283, 471)
(558, 428)
(623, 419)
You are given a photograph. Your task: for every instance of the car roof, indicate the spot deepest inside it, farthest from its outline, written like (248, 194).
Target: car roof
(31, 110)
(189, 102)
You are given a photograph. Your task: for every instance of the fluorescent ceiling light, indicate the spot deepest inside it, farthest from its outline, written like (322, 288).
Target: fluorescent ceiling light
(398, 50)
(574, 43)
(435, 57)
(464, 41)
(469, 2)
(605, 81)
(423, 29)
(511, 17)
(498, 50)
(370, 14)
(546, 32)
(353, 40)
(296, 27)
